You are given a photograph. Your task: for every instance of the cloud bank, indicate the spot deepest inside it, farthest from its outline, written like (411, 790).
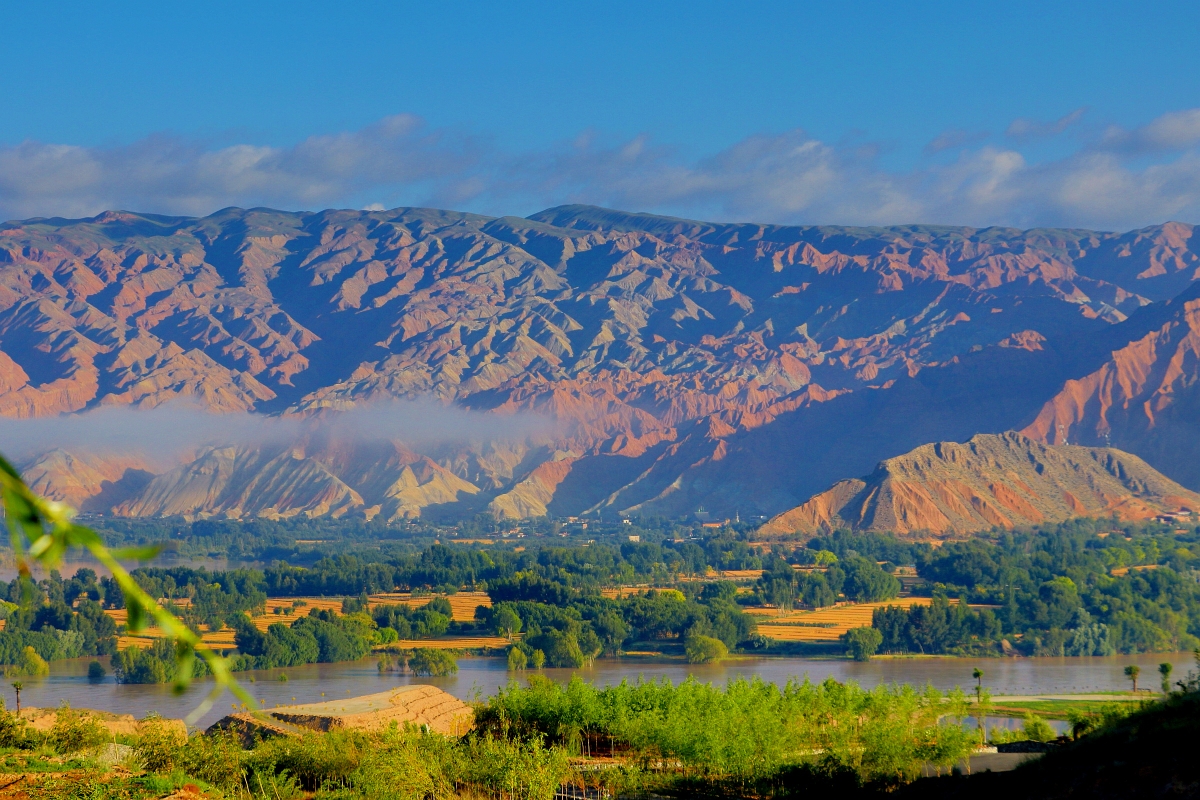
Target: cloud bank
(1110, 178)
(171, 431)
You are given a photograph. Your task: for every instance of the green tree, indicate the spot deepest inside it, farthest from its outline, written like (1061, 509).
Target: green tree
(506, 622)
(1165, 669)
(429, 662)
(517, 660)
(704, 650)
(861, 643)
(1132, 672)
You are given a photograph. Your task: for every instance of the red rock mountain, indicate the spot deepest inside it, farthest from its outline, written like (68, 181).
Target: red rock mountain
(993, 480)
(738, 366)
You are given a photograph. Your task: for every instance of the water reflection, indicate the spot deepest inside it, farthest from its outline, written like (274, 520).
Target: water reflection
(68, 680)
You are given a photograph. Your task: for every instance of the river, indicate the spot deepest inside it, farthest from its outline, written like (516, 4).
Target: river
(1009, 676)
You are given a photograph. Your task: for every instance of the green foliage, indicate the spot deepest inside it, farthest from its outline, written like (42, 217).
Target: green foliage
(158, 663)
(941, 627)
(31, 664)
(16, 732)
(96, 671)
(1058, 594)
(505, 621)
(861, 643)
(704, 650)
(1037, 729)
(1164, 672)
(866, 583)
(517, 660)
(73, 731)
(430, 662)
(158, 746)
(321, 636)
(518, 769)
(883, 733)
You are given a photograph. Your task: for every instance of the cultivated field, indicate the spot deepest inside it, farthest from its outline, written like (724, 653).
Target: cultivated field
(823, 625)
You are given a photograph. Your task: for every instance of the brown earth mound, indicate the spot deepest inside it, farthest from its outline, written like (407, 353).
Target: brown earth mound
(1004, 480)
(423, 706)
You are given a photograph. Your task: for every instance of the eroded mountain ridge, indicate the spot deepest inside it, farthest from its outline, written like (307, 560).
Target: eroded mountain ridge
(743, 367)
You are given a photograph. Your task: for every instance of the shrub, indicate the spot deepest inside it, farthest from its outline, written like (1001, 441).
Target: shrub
(213, 758)
(861, 643)
(96, 671)
(538, 659)
(73, 731)
(515, 769)
(432, 663)
(704, 650)
(1037, 729)
(313, 760)
(14, 731)
(405, 765)
(158, 746)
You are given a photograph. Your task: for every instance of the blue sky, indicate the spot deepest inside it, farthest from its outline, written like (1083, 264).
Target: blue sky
(971, 113)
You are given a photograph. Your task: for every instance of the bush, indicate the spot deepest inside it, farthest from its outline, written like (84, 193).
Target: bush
(215, 759)
(861, 643)
(73, 731)
(1037, 729)
(704, 650)
(15, 732)
(158, 747)
(538, 659)
(312, 760)
(96, 671)
(433, 663)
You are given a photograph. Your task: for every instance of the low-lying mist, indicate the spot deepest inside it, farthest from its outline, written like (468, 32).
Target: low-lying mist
(171, 431)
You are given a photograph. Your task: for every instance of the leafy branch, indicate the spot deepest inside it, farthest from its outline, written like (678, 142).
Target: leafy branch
(42, 531)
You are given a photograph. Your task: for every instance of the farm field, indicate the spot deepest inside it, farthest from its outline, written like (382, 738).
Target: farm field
(823, 625)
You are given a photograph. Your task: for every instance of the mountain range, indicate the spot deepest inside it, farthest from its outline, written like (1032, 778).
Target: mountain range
(742, 368)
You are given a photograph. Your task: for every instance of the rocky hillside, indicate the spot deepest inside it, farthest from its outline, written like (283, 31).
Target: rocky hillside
(737, 366)
(993, 480)
(1146, 395)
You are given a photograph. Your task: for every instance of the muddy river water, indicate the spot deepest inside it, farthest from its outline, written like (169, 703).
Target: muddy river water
(1010, 676)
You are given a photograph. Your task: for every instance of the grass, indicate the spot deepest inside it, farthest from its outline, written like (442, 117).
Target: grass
(1052, 709)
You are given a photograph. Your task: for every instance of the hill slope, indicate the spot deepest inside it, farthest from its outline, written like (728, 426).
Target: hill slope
(1144, 398)
(1004, 480)
(687, 362)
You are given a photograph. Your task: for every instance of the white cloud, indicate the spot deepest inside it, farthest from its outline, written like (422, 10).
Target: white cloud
(1121, 178)
(1024, 128)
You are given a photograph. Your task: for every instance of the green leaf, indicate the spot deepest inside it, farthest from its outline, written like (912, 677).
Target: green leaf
(138, 618)
(143, 553)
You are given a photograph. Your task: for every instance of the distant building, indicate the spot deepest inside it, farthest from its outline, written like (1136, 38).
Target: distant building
(635, 538)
